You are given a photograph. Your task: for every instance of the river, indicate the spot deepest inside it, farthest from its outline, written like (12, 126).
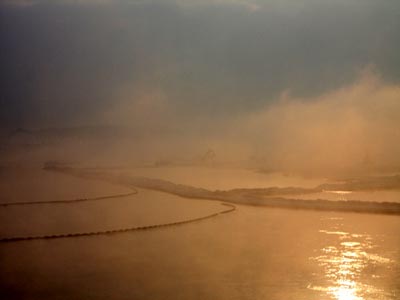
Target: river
(251, 253)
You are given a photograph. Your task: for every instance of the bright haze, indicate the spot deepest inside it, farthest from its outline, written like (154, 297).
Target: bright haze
(301, 86)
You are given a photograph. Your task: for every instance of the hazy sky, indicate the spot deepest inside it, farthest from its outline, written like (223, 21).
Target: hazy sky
(82, 62)
(299, 85)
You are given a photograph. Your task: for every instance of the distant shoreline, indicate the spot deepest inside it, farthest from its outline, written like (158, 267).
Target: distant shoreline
(268, 197)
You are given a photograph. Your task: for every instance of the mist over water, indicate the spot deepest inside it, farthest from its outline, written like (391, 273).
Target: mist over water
(199, 149)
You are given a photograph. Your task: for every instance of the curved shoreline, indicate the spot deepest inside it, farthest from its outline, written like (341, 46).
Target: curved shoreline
(104, 232)
(116, 231)
(134, 192)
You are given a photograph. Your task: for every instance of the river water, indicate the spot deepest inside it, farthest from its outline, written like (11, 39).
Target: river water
(251, 253)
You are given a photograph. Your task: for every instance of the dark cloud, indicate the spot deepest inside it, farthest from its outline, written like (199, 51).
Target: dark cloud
(74, 61)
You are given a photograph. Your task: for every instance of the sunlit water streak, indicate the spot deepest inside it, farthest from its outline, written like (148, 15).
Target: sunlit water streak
(344, 264)
(369, 196)
(255, 253)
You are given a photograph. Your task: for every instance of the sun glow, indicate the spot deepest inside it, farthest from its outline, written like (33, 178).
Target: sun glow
(348, 265)
(343, 262)
(345, 292)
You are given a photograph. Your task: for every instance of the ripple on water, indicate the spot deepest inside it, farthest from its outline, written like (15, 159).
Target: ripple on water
(344, 263)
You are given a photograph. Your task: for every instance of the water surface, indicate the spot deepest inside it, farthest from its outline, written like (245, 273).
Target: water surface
(252, 253)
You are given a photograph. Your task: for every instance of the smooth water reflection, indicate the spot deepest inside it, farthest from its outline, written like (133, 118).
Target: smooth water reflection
(254, 253)
(345, 263)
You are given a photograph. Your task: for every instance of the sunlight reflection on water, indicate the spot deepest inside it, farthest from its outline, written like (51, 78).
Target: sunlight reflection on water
(343, 264)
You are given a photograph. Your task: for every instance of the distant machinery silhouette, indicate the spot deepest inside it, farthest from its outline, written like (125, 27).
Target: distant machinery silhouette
(208, 157)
